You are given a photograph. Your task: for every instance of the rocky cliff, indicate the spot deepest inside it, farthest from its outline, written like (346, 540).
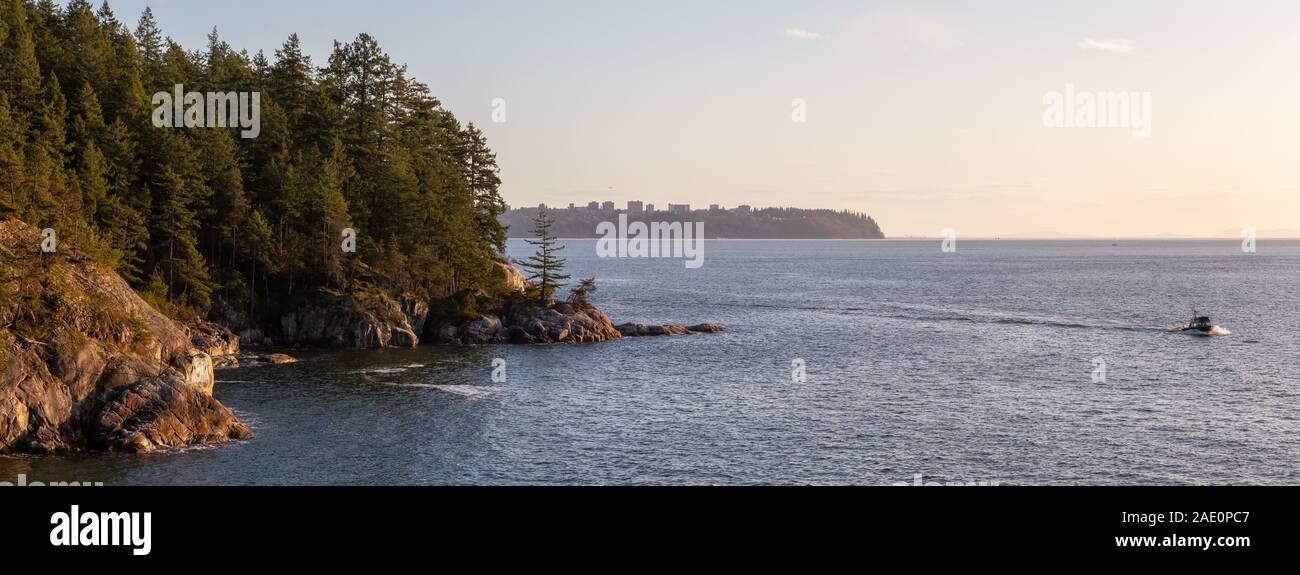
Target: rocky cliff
(364, 319)
(86, 364)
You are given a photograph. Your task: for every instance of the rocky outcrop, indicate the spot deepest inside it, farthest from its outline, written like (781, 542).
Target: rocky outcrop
(515, 280)
(275, 358)
(416, 312)
(367, 319)
(221, 344)
(86, 364)
(556, 323)
(129, 419)
(641, 329)
(213, 339)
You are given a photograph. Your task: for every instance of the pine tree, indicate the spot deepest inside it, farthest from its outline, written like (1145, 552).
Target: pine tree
(290, 79)
(149, 40)
(578, 295)
(20, 73)
(546, 267)
(484, 182)
(179, 212)
(176, 246)
(11, 161)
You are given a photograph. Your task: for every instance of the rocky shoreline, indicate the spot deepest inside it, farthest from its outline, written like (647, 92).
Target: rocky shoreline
(557, 322)
(86, 364)
(376, 319)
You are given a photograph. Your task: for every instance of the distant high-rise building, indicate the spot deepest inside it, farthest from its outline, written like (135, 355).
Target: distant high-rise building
(607, 206)
(572, 207)
(649, 207)
(743, 209)
(593, 206)
(635, 206)
(715, 208)
(679, 208)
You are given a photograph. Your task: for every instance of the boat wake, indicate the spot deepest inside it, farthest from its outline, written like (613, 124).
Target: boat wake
(936, 313)
(924, 312)
(1214, 331)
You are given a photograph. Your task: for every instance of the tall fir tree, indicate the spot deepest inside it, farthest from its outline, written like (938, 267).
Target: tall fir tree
(545, 266)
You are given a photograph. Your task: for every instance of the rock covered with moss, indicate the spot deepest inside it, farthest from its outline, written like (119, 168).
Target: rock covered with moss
(86, 364)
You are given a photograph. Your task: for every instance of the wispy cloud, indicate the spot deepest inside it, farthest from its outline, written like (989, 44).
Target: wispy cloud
(1115, 45)
(801, 34)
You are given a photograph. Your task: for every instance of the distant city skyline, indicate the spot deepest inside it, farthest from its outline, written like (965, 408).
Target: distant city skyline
(638, 206)
(927, 115)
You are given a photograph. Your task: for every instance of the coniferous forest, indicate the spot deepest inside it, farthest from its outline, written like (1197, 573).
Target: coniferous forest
(200, 218)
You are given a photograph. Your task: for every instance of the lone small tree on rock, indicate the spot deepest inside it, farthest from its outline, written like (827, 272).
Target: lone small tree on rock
(546, 268)
(578, 295)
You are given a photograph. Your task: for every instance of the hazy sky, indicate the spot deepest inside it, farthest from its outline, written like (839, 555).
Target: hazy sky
(927, 115)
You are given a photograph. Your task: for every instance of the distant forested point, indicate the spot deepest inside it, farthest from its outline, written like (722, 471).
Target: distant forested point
(199, 218)
(737, 223)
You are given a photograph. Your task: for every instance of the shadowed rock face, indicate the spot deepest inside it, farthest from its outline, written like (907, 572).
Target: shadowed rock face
(557, 323)
(363, 320)
(86, 364)
(641, 329)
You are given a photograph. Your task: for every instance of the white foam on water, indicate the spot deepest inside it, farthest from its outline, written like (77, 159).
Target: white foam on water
(1214, 330)
(390, 370)
(456, 389)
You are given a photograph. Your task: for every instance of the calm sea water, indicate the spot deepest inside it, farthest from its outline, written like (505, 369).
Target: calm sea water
(972, 366)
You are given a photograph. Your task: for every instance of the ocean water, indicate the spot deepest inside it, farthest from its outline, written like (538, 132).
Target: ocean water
(979, 365)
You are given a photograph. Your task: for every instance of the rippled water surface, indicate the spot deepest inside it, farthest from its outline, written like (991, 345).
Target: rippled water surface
(972, 366)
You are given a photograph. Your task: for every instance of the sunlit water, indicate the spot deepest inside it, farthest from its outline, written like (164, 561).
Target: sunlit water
(971, 366)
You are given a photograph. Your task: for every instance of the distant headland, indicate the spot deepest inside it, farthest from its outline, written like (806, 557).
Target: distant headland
(741, 222)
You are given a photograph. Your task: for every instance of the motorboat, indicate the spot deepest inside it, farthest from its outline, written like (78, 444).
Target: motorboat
(1199, 325)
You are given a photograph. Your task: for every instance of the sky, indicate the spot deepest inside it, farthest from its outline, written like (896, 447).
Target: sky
(927, 115)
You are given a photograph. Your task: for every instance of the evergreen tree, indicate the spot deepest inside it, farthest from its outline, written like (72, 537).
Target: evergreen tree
(183, 212)
(578, 295)
(546, 267)
(149, 40)
(484, 183)
(20, 73)
(11, 161)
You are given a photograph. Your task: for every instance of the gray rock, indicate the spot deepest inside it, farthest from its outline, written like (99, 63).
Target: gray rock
(641, 329)
(213, 339)
(486, 329)
(158, 412)
(402, 336)
(519, 335)
(114, 374)
(707, 328)
(366, 320)
(515, 280)
(416, 312)
(276, 358)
